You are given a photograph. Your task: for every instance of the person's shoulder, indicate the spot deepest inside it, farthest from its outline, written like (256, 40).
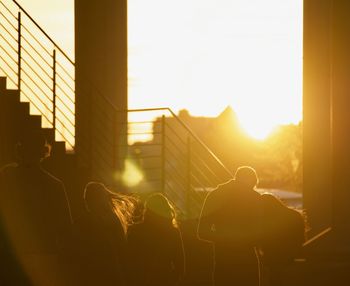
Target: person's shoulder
(228, 184)
(221, 188)
(8, 168)
(51, 178)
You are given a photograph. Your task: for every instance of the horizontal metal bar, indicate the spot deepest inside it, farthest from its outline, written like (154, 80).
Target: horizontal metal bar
(175, 133)
(39, 109)
(36, 85)
(7, 75)
(8, 10)
(30, 45)
(65, 94)
(36, 96)
(69, 110)
(36, 40)
(63, 113)
(176, 170)
(198, 181)
(176, 147)
(33, 70)
(9, 33)
(46, 35)
(65, 126)
(143, 133)
(42, 69)
(15, 72)
(150, 157)
(66, 83)
(141, 145)
(8, 21)
(7, 53)
(138, 122)
(65, 71)
(146, 109)
(207, 166)
(176, 181)
(204, 176)
(152, 168)
(182, 161)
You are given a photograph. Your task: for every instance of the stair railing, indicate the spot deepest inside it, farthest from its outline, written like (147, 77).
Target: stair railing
(171, 158)
(39, 69)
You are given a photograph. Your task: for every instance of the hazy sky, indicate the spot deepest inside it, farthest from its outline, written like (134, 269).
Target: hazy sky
(206, 54)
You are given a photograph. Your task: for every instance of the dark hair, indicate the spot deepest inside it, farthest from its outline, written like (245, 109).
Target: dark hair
(158, 205)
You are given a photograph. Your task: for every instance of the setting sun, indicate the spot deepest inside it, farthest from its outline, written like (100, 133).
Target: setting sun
(204, 55)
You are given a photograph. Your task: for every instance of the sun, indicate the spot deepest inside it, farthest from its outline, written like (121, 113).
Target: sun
(258, 131)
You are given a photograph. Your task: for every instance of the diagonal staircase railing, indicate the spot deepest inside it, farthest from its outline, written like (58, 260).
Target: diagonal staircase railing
(168, 157)
(42, 72)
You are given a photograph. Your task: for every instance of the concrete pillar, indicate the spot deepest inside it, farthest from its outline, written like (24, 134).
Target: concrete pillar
(101, 82)
(326, 114)
(317, 114)
(341, 114)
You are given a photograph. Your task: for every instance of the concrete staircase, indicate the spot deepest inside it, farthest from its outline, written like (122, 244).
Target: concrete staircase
(15, 118)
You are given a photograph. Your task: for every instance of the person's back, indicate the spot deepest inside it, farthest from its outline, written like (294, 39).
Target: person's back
(283, 236)
(155, 250)
(100, 237)
(34, 208)
(35, 216)
(231, 219)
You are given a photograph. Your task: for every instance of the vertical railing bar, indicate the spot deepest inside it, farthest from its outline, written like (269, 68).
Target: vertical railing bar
(189, 172)
(19, 52)
(163, 153)
(54, 90)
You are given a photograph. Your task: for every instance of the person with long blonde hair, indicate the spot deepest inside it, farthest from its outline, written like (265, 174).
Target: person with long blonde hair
(101, 236)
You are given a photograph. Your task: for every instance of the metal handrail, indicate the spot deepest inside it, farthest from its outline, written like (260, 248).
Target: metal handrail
(184, 125)
(41, 30)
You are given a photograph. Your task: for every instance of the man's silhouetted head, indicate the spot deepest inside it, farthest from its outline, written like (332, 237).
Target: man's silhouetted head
(32, 147)
(246, 176)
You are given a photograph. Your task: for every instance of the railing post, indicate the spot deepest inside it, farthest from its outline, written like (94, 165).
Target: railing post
(19, 41)
(54, 90)
(163, 154)
(189, 172)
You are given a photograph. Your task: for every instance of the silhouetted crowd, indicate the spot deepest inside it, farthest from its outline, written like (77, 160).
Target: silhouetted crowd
(120, 239)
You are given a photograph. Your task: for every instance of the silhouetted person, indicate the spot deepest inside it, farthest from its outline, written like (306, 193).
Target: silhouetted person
(283, 237)
(101, 237)
(35, 218)
(155, 246)
(231, 220)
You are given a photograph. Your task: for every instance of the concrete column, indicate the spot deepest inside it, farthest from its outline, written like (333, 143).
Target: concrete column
(341, 114)
(326, 114)
(101, 81)
(317, 84)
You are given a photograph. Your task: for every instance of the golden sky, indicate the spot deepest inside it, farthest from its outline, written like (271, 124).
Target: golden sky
(206, 54)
